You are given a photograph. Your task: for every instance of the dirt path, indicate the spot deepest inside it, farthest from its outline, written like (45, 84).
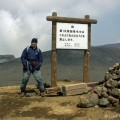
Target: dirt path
(13, 107)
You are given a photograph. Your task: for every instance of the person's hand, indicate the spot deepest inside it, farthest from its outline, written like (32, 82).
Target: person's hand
(25, 68)
(37, 67)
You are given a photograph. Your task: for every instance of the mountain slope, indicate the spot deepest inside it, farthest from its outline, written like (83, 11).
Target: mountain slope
(69, 65)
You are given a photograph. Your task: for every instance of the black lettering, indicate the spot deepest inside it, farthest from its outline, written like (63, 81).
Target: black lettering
(72, 26)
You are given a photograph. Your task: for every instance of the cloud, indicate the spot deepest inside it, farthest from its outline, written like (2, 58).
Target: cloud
(16, 32)
(22, 20)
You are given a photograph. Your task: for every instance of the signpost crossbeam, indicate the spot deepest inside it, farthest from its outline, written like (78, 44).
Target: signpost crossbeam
(71, 20)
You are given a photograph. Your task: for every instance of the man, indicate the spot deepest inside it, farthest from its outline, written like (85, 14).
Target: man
(32, 60)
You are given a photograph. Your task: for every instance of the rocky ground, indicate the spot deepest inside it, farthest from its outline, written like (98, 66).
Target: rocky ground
(51, 107)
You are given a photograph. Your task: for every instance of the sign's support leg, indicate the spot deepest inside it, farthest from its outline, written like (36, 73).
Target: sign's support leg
(86, 66)
(54, 55)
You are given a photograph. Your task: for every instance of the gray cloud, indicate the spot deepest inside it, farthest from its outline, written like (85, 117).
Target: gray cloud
(21, 20)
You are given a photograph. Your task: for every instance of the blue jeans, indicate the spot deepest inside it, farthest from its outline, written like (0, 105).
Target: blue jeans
(26, 76)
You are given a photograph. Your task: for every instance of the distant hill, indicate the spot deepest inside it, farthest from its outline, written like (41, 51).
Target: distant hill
(70, 65)
(5, 58)
(111, 45)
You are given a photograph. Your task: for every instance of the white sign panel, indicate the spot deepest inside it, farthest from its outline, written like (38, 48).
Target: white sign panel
(72, 36)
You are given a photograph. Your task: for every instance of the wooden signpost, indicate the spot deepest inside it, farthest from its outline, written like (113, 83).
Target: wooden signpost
(73, 43)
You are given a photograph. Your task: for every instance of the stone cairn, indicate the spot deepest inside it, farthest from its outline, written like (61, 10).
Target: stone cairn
(106, 93)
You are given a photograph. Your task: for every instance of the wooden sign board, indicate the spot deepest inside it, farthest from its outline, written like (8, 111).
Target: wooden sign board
(71, 36)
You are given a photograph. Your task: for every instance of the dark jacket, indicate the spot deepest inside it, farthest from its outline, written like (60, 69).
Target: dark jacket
(29, 55)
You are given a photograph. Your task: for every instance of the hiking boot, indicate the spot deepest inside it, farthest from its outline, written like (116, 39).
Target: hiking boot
(42, 94)
(22, 94)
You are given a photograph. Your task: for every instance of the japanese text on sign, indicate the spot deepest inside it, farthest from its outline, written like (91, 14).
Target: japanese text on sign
(72, 36)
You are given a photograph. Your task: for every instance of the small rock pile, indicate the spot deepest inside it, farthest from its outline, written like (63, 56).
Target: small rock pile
(106, 93)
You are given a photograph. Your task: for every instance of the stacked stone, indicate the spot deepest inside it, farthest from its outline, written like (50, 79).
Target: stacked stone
(108, 90)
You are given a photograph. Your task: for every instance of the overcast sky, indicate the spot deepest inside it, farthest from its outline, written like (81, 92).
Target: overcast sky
(21, 20)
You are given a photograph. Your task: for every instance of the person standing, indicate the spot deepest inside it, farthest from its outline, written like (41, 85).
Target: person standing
(32, 60)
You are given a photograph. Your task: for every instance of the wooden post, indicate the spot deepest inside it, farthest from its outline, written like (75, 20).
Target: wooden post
(54, 54)
(86, 66)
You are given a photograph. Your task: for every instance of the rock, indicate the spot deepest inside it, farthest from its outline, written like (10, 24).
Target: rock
(111, 83)
(115, 104)
(118, 84)
(111, 70)
(118, 92)
(88, 100)
(107, 76)
(114, 83)
(98, 90)
(113, 92)
(4, 105)
(104, 94)
(96, 106)
(116, 65)
(108, 84)
(113, 100)
(101, 82)
(104, 102)
(104, 89)
(116, 76)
